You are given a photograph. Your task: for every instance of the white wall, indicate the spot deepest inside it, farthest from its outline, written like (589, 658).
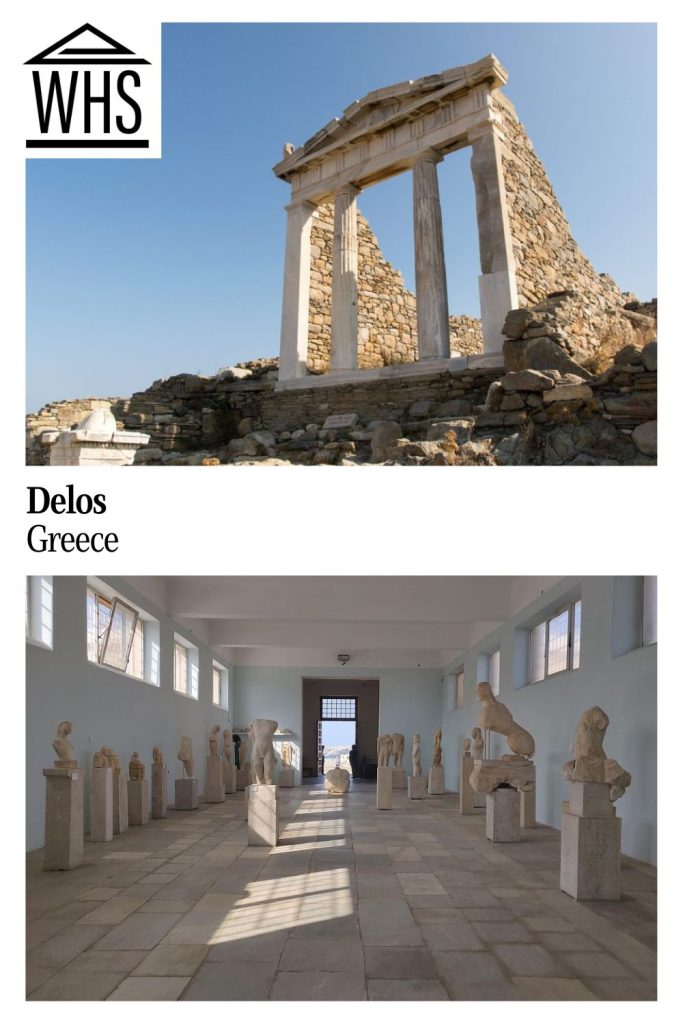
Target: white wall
(409, 700)
(107, 707)
(625, 687)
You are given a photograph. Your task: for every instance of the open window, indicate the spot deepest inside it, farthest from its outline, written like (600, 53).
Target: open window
(185, 668)
(555, 643)
(120, 636)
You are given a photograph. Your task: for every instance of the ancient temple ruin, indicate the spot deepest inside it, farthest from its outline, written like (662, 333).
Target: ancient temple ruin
(525, 244)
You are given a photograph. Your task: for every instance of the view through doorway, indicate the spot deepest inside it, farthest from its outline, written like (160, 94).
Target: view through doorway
(337, 713)
(336, 732)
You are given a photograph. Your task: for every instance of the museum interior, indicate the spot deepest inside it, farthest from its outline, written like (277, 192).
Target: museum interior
(341, 788)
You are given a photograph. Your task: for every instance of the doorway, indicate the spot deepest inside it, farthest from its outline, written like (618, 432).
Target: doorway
(336, 714)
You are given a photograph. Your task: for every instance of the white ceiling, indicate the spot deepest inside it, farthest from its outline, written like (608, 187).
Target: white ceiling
(380, 621)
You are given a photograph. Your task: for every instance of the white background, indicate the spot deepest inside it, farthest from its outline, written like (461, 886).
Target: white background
(321, 520)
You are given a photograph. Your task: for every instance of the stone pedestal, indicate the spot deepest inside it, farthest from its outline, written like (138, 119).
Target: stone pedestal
(229, 778)
(63, 818)
(344, 326)
(138, 802)
(417, 787)
(467, 794)
(286, 780)
(384, 788)
(186, 794)
(433, 335)
(159, 791)
(502, 816)
(242, 779)
(215, 784)
(527, 808)
(590, 850)
(120, 801)
(101, 805)
(436, 785)
(398, 778)
(263, 823)
(96, 442)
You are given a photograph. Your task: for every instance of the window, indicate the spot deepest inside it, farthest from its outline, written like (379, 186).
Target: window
(39, 610)
(649, 610)
(185, 669)
(338, 708)
(449, 683)
(494, 671)
(460, 688)
(219, 686)
(555, 644)
(119, 637)
(634, 613)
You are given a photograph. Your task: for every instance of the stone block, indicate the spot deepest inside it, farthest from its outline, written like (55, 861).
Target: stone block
(138, 802)
(215, 785)
(568, 393)
(186, 794)
(384, 788)
(398, 778)
(229, 777)
(436, 785)
(263, 821)
(527, 380)
(502, 815)
(101, 805)
(467, 794)
(63, 819)
(337, 781)
(590, 857)
(120, 802)
(527, 808)
(645, 437)
(417, 787)
(242, 778)
(159, 791)
(286, 778)
(590, 800)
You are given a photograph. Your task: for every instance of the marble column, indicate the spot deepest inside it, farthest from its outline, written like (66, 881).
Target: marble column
(498, 283)
(433, 337)
(344, 335)
(295, 300)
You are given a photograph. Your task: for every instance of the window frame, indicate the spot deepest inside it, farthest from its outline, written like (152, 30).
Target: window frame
(191, 668)
(570, 666)
(223, 683)
(102, 653)
(338, 718)
(145, 623)
(39, 617)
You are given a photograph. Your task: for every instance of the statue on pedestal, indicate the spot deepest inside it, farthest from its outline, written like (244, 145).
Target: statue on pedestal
(385, 746)
(186, 756)
(213, 741)
(261, 732)
(417, 761)
(496, 716)
(136, 769)
(398, 744)
(477, 743)
(590, 763)
(113, 759)
(157, 756)
(436, 754)
(227, 745)
(99, 760)
(62, 747)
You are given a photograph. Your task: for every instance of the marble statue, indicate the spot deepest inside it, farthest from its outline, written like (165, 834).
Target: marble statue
(477, 744)
(261, 732)
(436, 756)
(466, 744)
(213, 741)
(398, 742)
(186, 756)
(385, 746)
(337, 781)
(417, 763)
(287, 755)
(157, 756)
(495, 716)
(136, 769)
(590, 762)
(112, 758)
(227, 745)
(62, 747)
(99, 760)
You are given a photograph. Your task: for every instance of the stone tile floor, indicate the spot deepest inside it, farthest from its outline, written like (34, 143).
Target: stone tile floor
(355, 903)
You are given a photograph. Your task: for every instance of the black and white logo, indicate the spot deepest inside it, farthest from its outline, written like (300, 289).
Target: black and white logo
(90, 95)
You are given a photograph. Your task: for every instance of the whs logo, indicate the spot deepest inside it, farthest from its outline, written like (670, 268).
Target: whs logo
(90, 95)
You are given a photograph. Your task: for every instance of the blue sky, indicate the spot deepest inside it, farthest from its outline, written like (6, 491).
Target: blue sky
(141, 269)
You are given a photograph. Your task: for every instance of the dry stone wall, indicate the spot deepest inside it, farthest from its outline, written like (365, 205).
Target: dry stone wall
(387, 319)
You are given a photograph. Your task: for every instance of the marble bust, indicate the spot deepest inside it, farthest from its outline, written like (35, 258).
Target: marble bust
(99, 760)
(66, 755)
(590, 762)
(112, 758)
(157, 756)
(136, 769)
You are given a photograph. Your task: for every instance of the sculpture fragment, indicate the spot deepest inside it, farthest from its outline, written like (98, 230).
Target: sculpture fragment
(590, 763)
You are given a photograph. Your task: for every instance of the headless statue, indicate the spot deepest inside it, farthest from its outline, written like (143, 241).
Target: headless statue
(398, 741)
(496, 716)
(261, 732)
(227, 745)
(186, 756)
(436, 755)
(385, 746)
(213, 741)
(417, 761)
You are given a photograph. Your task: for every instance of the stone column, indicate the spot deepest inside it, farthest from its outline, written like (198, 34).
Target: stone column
(433, 337)
(497, 284)
(295, 299)
(344, 336)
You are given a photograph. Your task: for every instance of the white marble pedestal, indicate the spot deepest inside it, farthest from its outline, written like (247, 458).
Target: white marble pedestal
(467, 794)
(159, 791)
(120, 801)
(101, 805)
(590, 849)
(398, 778)
(417, 787)
(215, 784)
(242, 779)
(286, 779)
(436, 785)
(138, 802)
(263, 824)
(384, 788)
(229, 777)
(63, 818)
(186, 794)
(502, 815)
